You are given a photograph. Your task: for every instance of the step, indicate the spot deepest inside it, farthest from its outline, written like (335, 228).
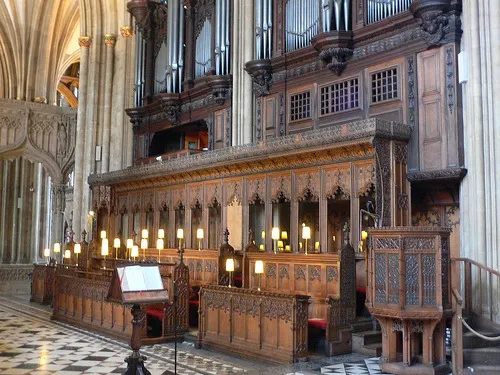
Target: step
(370, 350)
(482, 357)
(481, 370)
(191, 337)
(472, 341)
(367, 343)
(364, 325)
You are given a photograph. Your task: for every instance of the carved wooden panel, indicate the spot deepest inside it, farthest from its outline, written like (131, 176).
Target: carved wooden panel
(147, 201)
(337, 181)
(195, 195)
(307, 183)
(256, 189)
(213, 193)
(234, 191)
(270, 116)
(178, 196)
(281, 186)
(162, 199)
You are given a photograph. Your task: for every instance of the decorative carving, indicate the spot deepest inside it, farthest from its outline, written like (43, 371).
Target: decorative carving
(383, 181)
(126, 31)
(213, 194)
(387, 243)
(307, 186)
(281, 114)
(221, 87)
(280, 188)
(284, 271)
(438, 26)
(401, 153)
(417, 326)
(300, 272)
(85, 41)
(110, 40)
(203, 10)
(256, 190)
(403, 201)
(418, 243)
(380, 286)
(429, 279)
(261, 73)
(338, 183)
(314, 273)
(332, 274)
(210, 126)
(271, 270)
(229, 133)
(234, 193)
(412, 275)
(450, 78)
(397, 325)
(258, 128)
(442, 174)
(336, 58)
(393, 268)
(445, 271)
(411, 91)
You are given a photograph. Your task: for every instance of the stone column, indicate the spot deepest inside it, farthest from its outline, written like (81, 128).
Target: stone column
(84, 42)
(110, 41)
(58, 205)
(243, 40)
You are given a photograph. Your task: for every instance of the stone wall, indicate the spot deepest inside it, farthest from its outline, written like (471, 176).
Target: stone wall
(15, 279)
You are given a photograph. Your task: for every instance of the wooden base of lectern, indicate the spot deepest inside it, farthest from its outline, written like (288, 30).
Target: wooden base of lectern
(135, 362)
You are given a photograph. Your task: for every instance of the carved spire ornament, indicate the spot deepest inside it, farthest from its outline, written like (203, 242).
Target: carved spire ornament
(85, 41)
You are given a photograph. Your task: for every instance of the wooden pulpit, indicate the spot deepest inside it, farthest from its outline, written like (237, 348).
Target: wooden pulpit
(137, 285)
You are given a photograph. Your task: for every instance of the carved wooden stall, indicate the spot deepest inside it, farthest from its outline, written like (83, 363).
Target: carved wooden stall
(262, 325)
(81, 299)
(42, 284)
(409, 294)
(329, 279)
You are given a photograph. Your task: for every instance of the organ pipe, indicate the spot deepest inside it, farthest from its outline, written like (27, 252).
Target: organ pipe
(140, 47)
(203, 49)
(378, 10)
(302, 22)
(263, 29)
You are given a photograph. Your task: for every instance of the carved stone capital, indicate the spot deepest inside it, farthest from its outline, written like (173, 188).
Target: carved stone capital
(439, 23)
(334, 49)
(261, 73)
(85, 41)
(110, 40)
(127, 31)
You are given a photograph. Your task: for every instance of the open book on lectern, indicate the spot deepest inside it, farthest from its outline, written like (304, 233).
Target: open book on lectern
(137, 284)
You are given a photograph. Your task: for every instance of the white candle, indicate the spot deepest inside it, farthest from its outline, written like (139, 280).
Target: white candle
(130, 243)
(135, 251)
(67, 254)
(144, 243)
(46, 253)
(306, 233)
(275, 233)
(159, 243)
(116, 242)
(103, 234)
(230, 265)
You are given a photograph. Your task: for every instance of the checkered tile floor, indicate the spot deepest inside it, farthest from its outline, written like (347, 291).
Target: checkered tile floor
(32, 344)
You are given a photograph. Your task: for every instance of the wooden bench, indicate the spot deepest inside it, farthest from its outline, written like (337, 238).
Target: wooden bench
(329, 279)
(259, 325)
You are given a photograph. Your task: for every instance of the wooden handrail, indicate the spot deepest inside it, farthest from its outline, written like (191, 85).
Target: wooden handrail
(483, 267)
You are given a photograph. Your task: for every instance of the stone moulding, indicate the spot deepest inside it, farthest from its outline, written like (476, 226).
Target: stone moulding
(351, 140)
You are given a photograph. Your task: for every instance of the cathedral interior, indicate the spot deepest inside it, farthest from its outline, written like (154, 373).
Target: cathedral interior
(249, 186)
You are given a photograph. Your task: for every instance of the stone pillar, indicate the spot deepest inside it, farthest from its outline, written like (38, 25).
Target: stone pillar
(84, 42)
(243, 40)
(58, 205)
(110, 41)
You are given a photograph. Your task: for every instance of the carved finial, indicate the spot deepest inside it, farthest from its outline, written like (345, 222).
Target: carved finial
(84, 235)
(346, 231)
(225, 236)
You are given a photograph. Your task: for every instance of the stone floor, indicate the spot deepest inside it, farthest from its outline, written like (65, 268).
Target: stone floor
(30, 343)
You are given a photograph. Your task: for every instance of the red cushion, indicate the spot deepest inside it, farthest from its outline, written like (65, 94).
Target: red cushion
(155, 312)
(194, 302)
(361, 289)
(318, 323)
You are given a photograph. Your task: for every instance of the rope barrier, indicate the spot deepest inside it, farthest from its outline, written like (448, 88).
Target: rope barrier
(477, 333)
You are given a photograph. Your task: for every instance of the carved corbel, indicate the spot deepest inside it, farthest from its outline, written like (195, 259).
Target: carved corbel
(261, 73)
(335, 48)
(171, 107)
(221, 87)
(439, 21)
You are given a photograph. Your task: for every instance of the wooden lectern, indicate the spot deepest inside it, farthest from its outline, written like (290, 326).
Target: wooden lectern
(137, 285)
